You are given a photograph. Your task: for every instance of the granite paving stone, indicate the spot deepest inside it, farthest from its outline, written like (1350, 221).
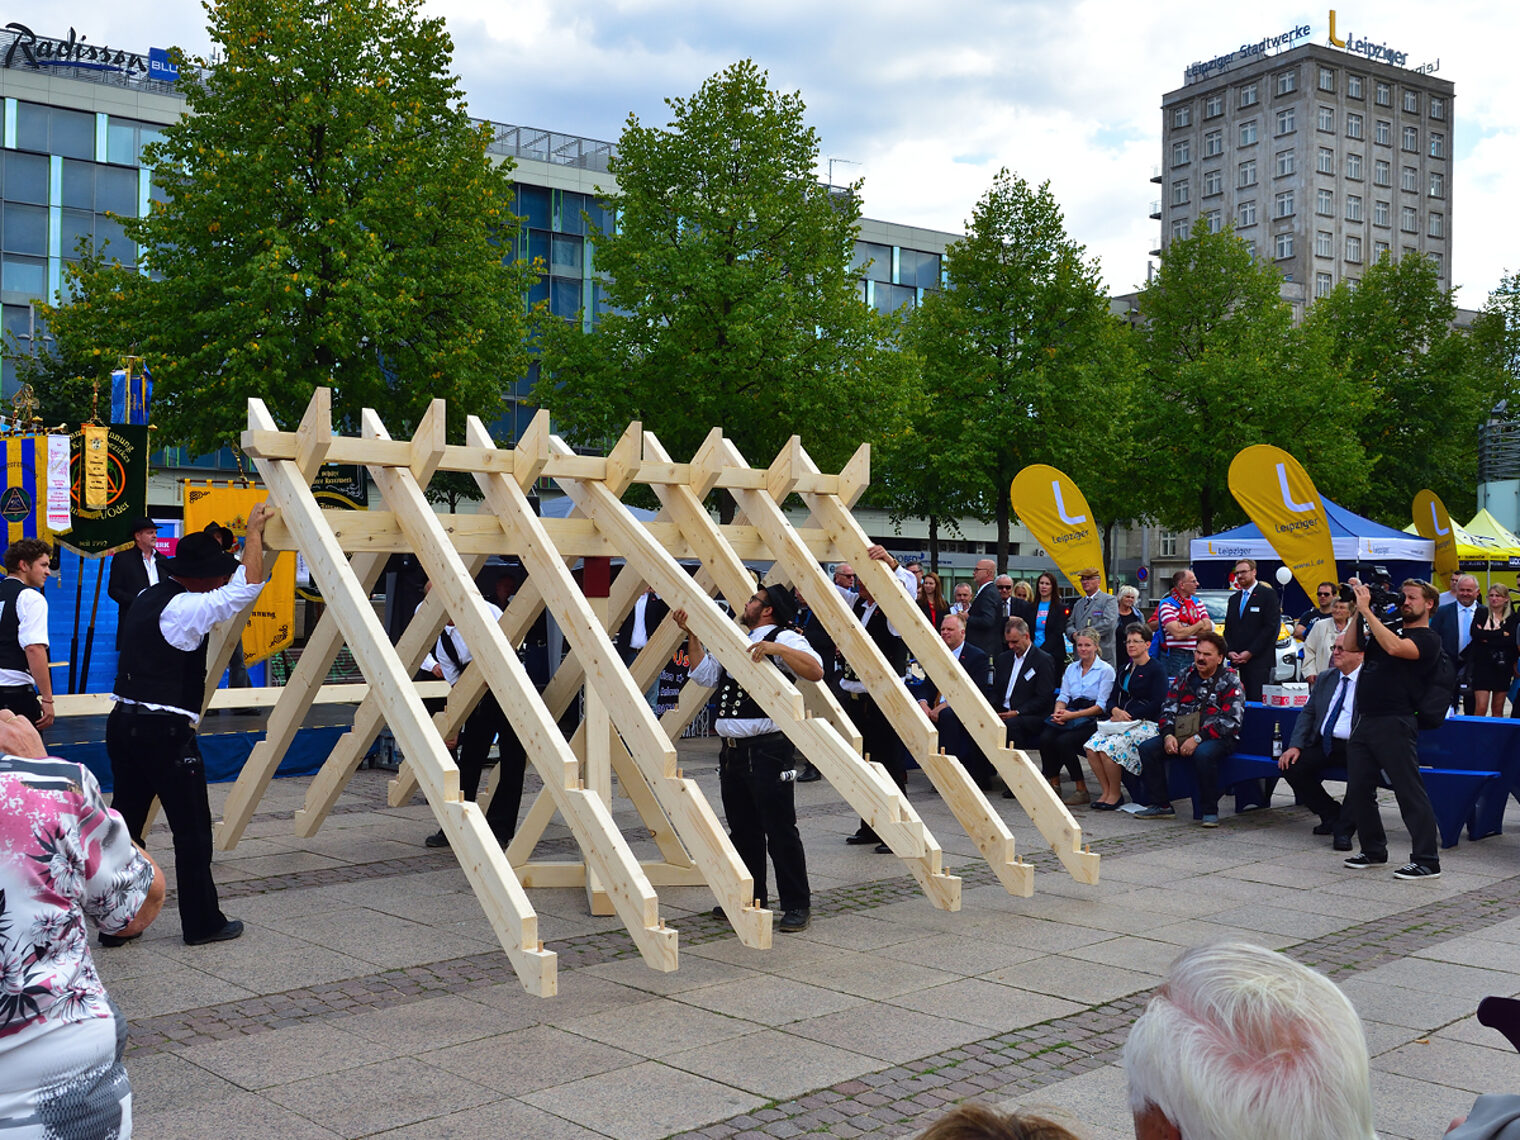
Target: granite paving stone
(644, 1102)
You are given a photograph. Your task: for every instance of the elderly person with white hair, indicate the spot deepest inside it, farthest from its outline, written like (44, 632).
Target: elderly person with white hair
(1129, 612)
(1243, 1043)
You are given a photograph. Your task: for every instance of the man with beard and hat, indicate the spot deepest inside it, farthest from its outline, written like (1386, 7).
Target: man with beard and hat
(755, 761)
(150, 735)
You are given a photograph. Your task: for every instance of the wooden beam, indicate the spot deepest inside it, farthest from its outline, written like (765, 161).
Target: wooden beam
(314, 437)
(501, 896)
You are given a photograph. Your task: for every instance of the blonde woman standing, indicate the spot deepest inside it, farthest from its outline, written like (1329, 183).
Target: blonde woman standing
(1492, 652)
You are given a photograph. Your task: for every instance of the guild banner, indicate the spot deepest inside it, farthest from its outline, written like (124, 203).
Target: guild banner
(1055, 511)
(1279, 497)
(36, 496)
(272, 623)
(98, 531)
(1431, 521)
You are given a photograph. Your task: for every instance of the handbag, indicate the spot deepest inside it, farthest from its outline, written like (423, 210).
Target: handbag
(1187, 725)
(1114, 727)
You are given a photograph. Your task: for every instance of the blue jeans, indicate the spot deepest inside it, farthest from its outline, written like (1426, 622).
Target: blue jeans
(1205, 760)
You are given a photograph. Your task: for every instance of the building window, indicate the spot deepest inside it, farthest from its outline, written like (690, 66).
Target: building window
(1382, 133)
(1324, 201)
(1326, 118)
(1382, 173)
(1287, 81)
(1213, 143)
(1353, 86)
(1410, 251)
(1437, 184)
(1326, 79)
(1285, 162)
(1182, 116)
(1249, 95)
(1437, 107)
(1215, 220)
(1411, 139)
(1384, 95)
(1250, 247)
(1283, 245)
(1379, 248)
(1285, 119)
(1353, 126)
(1283, 205)
(1437, 145)
(1322, 284)
(1409, 179)
(1248, 213)
(1324, 244)
(1213, 183)
(1409, 221)
(1354, 167)
(1168, 544)
(1353, 208)
(1180, 192)
(1182, 152)
(1180, 229)
(1353, 248)
(1438, 261)
(1213, 106)
(1248, 133)
(1247, 173)
(1380, 213)
(1411, 102)
(1436, 225)
(1324, 161)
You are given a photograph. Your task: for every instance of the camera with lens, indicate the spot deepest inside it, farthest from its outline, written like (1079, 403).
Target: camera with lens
(1384, 600)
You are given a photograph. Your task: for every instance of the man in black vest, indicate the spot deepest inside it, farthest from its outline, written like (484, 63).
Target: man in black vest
(133, 570)
(755, 770)
(26, 686)
(160, 685)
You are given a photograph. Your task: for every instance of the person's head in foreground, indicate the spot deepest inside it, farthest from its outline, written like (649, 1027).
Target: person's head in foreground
(1243, 1043)
(973, 1121)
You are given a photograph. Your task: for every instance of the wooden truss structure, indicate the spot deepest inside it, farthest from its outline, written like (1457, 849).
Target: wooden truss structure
(346, 551)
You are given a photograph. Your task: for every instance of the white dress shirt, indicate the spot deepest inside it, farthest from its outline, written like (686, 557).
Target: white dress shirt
(1341, 729)
(1013, 676)
(1464, 625)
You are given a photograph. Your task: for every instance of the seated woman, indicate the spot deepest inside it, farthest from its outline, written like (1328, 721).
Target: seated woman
(1133, 713)
(1081, 703)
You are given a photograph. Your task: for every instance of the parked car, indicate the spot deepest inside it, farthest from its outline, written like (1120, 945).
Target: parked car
(1287, 656)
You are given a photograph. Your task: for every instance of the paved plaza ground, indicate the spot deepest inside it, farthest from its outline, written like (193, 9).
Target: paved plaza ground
(369, 996)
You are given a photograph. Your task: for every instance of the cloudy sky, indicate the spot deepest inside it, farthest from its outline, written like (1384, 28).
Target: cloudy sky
(927, 101)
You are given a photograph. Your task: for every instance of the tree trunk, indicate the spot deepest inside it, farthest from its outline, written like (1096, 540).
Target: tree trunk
(1206, 509)
(934, 544)
(1003, 507)
(1108, 551)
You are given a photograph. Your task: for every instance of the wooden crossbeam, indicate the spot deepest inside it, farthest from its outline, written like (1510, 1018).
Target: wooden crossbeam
(501, 896)
(1034, 794)
(649, 748)
(604, 847)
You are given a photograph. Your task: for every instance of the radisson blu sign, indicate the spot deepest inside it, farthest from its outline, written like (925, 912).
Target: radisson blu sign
(28, 49)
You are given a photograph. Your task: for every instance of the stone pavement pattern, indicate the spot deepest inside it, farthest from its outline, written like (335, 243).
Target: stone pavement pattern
(369, 996)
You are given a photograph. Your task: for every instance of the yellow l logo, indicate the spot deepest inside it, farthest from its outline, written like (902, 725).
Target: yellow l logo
(1337, 41)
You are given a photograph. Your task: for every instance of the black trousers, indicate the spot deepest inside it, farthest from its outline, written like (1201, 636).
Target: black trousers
(1024, 731)
(1390, 744)
(1253, 676)
(21, 700)
(762, 815)
(878, 740)
(1062, 747)
(1308, 784)
(955, 740)
(484, 727)
(1205, 761)
(156, 753)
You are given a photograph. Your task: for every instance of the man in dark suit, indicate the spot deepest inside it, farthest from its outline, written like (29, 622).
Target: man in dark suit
(1023, 685)
(648, 611)
(984, 620)
(134, 570)
(1319, 742)
(1251, 629)
(952, 734)
(1453, 622)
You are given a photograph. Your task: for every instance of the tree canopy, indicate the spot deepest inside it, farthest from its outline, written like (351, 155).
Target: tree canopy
(324, 215)
(731, 298)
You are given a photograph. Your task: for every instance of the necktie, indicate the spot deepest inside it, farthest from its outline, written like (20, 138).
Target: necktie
(1464, 627)
(1335, 714)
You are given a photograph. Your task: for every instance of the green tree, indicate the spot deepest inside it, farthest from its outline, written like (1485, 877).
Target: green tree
(1021, 359)
(325, 215)
(1422, 389)
(731, 300)
(1224, 369)
(1496, 335)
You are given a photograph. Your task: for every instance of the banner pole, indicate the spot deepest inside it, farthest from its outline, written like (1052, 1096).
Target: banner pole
(89, 637)
(78, 603)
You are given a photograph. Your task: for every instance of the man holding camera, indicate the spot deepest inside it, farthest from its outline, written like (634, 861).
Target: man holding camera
(1395, 672)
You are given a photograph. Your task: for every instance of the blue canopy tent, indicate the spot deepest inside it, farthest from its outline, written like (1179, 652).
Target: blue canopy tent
(1359, 544)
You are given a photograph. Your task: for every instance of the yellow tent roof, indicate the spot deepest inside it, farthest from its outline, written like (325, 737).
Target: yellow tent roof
(1475, 546)
(1485, 525)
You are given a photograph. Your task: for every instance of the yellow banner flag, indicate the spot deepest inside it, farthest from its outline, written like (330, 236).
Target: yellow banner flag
(1279, 497)
(1057, 514)
(272, 624)
(97, 491)
(1431, 521)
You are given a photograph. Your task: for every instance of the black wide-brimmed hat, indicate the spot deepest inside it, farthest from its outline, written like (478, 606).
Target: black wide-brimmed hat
(782, 602)
(200, 555)
(144, 524)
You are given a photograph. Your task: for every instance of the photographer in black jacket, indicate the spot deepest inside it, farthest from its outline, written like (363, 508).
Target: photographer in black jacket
(1384, 737)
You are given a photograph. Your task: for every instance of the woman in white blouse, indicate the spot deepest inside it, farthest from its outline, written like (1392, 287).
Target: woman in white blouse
(1081, 703)
(1322, 637)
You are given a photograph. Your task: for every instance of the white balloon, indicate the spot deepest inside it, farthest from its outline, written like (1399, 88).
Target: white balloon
(1284, 575)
